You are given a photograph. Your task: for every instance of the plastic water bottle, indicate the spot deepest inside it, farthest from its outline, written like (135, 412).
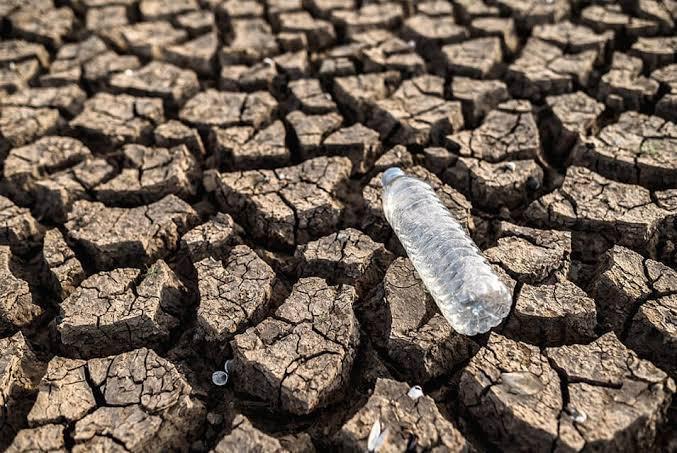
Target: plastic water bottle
(464, 286)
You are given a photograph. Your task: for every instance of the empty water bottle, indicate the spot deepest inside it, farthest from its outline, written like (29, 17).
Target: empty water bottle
(464, 286)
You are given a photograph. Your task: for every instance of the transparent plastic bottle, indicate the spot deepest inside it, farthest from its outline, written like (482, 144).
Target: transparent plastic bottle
(466, 289)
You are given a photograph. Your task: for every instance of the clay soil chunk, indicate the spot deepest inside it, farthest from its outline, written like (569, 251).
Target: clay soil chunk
(223, 109)
(617, 400)
(543, 69)
(530, 255)
(67, 99)
(624, 281)
(496, 185)
(197, 54)
(320, 33)
(611, 17)
(655, 51)
(623, 87)
(48, 27)
(479, 58)
(174, 85)
(22, 125)
(212, 239)
(114, 120)
(404, 419)
(111, 236)
(145, 403)
(64, 270)
(373, 16)
(358, 93)
(149, 39)
(244, 437)
(508, 132)
(67, 67)
(572, 118)
(285, 205)
(243, 148)
(478, 97)
(174, 133)
(149, 175)
(417, 337)
(349, 257)
(235, 292)
(307, 95)
(553, 314)
(501, 27)
(311, 130)
(300, 359)
(638, 149)
(99, 69)
(358, 143)
(252, 41)
(534, 12)
(165, 9)
(590, 202)
(573, 38)
(117, 311)
(45, 438)
(18, 228)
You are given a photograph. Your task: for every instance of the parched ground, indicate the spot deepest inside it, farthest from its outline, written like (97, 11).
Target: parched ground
(193, 186)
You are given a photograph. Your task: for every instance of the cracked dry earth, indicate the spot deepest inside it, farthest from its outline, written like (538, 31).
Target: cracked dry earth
(190, 182)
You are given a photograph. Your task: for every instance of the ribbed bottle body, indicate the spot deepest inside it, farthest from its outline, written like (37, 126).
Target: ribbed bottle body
(467, 291)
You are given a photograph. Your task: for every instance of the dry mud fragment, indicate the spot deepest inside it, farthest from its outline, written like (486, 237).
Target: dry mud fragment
(358, 93)
(624, 399)
(552, 314)
(67, 67)
(508, 132)
(27, 165)
(49, 27)
(311, 130)
(495, 185)
(534, 12)
(501, 27)
(236, 291)
(573, 38)
(174, 133)
(611, 17)
(261, 76)
(252, 41)
(358, 143)
(198, 54)
(174, 85)
(113, 120)
(623, 87)
(414, 333)
(294, 65)
(383, 51)
(244, 437)
(222, 109)
(67, 99)
(148, 39)
(656, 51)
(413, 115)
(64, 270)
(307, 95)
(144, 403)
(243, 148)
(18, 228)
(570, 118)
(373, 220)
(638, 149)
(287, 205)
(403, 419)
(348, 257)
(49, 438)
(196, 22)
(117, 311)
(589, 202)
(530, 255)
(150, 174)
(319, 33)
(16, 76)
(22, 125)
(543, 69)
(478, 97)
(624, 281)
(165, 9)
(101, 20)
(99, 69)
(212, 239)
(138, 235)
(20, 372)
(479, 58)
(432, 33)
(235, 9)
(300, 359)
(369, 17)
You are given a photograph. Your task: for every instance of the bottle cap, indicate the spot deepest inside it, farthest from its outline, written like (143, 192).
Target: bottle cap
(390, 175)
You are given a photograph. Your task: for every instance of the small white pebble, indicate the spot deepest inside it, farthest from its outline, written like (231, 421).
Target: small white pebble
(415, 392)
(377, 436)
(327, 96)
(220, 378)
(411, 43)
(576, 415)
(129, 72)
(508, 166)
(12, 65)
(225, 366)
(268, 61)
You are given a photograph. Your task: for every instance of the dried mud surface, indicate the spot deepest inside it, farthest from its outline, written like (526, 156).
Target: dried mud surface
(192, 186)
